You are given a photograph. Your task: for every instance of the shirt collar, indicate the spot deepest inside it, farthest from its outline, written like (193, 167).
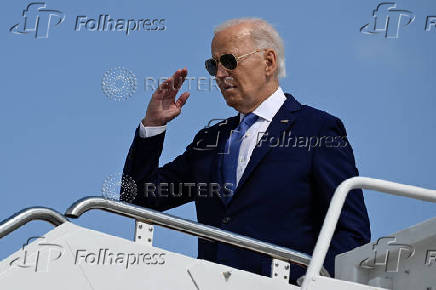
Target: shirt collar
(269, 107)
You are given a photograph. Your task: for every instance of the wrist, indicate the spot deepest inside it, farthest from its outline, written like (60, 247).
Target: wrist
(152, 123)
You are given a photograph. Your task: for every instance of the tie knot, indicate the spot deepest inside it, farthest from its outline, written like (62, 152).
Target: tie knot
(249, 119)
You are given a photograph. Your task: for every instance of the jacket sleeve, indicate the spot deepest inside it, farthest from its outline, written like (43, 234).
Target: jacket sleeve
(158, 188)
(333, 162)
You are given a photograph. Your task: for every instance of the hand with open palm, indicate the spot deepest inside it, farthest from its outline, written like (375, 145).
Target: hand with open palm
(163, 106)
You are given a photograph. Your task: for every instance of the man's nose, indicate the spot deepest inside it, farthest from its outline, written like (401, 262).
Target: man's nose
(221, 71)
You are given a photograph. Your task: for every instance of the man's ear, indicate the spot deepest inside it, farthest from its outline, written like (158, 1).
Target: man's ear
(270, 57)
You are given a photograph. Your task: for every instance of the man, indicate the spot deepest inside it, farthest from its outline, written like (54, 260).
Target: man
(268, 173)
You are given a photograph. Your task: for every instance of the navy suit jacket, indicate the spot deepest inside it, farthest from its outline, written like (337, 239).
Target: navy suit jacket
(282, 196)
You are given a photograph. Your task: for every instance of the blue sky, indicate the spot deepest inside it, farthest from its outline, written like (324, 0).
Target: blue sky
(61, 136)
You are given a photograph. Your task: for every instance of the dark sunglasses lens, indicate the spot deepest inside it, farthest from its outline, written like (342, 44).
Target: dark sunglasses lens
(211, 66)
(228, 61)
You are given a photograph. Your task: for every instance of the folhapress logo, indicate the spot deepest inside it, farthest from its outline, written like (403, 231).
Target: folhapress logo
(38, 20)
(388, 253)
(39, 259)
(388, 20)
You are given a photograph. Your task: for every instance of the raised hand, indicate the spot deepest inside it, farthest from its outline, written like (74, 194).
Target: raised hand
(163, 106)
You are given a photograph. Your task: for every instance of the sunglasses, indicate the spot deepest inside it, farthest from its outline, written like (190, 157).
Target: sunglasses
(229, 61)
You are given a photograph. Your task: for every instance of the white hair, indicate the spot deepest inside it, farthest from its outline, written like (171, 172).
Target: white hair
(264, 35)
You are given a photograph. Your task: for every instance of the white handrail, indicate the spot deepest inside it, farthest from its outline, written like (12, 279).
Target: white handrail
(334, 211)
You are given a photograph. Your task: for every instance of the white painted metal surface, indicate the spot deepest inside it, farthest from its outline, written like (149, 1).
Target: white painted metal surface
(70, 257)
(402, 261)
(335, 208)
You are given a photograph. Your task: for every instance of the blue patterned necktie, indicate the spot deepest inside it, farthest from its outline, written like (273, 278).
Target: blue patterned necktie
(230, 157)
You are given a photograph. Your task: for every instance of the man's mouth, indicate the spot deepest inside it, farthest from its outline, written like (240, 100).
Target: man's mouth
(227, 88)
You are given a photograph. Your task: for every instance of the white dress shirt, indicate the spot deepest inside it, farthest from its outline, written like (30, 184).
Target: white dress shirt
(265, 112)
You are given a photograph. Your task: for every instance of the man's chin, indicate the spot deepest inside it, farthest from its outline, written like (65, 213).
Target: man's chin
(228, 96)
(232, 102)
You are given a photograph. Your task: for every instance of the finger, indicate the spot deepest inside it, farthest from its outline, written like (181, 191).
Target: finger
(171, 82)
(165, 85)
(173, 86)
(176, 78)
(181, 101)
(167, 92)
(179, 77)
(182, 76)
